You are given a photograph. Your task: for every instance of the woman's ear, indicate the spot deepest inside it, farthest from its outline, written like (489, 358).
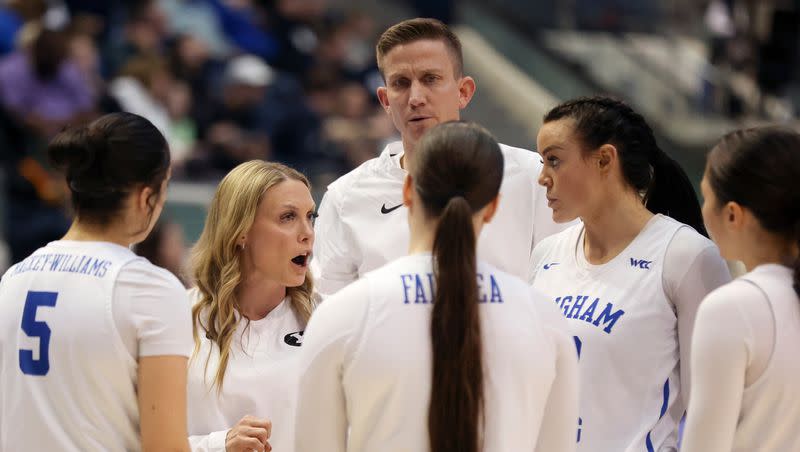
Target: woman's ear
(143, 199)
(733, 215)
(607, 157)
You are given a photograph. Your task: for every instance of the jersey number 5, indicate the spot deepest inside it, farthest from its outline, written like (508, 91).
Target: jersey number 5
(32, 328)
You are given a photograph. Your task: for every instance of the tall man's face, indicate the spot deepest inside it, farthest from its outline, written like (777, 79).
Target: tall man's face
(422, 88)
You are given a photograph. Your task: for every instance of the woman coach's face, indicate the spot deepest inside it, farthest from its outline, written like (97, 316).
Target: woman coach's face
(278, 245)
(571, 178)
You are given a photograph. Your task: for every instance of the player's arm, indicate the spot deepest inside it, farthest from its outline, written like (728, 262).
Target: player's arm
(321, 419)
(693, 268)
(334, 262)
(719, 364)
(153, 305)
(162, 403)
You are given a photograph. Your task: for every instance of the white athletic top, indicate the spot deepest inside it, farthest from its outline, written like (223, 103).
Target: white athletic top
(745, 366)
(363, 224)
(74, 319)
(632, 319)
(260, 380)
(367, 366)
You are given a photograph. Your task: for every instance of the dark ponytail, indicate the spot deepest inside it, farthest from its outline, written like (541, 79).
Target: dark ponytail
(759, 169)
(645, 167)
(458, 171)
(671, 193)
(106, 159)
(456, 334)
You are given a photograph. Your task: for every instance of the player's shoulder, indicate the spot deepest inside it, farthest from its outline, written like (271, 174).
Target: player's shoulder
(392, 270)
(738, 289)
(686, 243)
(140, 272)
(375, 167)
(512, 282)
(345, 306)
(529, 299)
(739, 296)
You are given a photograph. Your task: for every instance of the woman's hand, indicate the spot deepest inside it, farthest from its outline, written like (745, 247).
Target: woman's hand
(249, 434)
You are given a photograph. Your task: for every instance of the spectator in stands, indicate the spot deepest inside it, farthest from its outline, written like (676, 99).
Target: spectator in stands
(192, 61)
(144, 32)
(182, 133)
(43, 88)
(199, 20)
(142, 87)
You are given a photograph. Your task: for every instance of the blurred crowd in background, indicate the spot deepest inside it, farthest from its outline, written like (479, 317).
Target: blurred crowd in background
(225, 81)
(760, 40)
(293, 81)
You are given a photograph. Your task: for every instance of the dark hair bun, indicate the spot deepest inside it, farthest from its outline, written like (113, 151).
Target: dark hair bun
(70, 150)
(106, 159)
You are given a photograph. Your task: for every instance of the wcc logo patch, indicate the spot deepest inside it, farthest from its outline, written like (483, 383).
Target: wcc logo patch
(294, 339)
(641, 263)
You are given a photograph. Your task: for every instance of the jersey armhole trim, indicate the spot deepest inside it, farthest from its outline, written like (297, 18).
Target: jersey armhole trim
(669, 295)
(770, 361)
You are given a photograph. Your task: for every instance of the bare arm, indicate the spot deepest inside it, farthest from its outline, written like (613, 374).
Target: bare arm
(162, 403)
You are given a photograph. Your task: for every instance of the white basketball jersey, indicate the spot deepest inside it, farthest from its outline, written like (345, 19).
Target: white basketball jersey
(771, 405)
(68, 381)
(383, 364)
(625, 331)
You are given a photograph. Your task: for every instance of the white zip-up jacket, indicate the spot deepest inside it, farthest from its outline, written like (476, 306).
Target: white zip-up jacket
(363, 224)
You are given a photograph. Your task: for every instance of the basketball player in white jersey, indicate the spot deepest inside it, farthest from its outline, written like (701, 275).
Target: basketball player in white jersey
(629, 278)
(252, 302)
(438, 351)
(94, 340)
(745, 366)
(362, 223)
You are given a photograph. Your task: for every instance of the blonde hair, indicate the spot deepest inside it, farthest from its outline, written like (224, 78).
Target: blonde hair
(215, 260)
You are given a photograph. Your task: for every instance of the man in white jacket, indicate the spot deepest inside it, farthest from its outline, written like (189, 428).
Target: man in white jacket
(363, 224)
